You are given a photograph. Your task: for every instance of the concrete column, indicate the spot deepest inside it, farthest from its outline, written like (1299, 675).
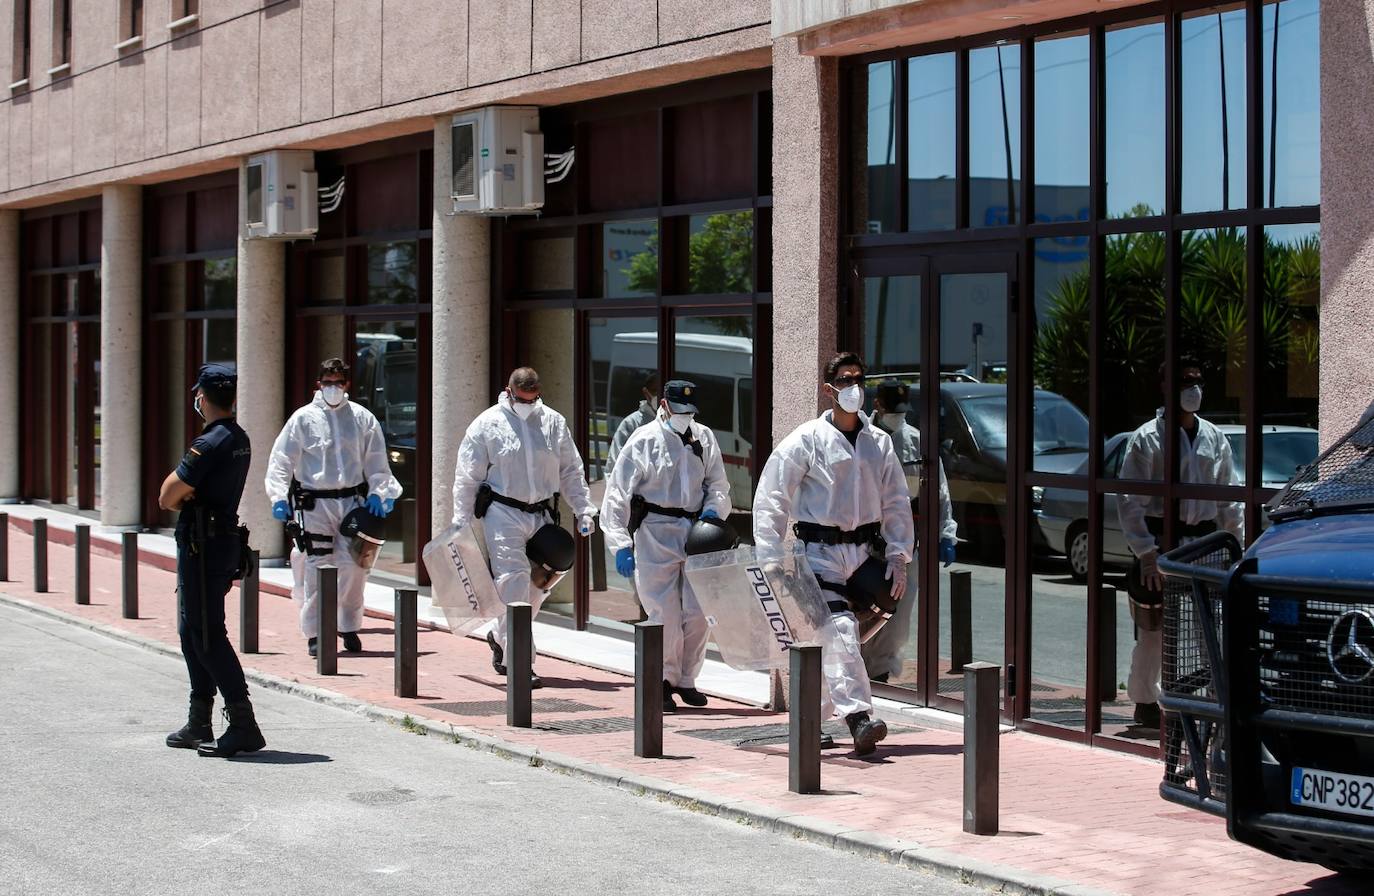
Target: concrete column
(462, 327)
(262, 373)
(1347, 314)
(805, 218)
(11, 378)
(121, 354)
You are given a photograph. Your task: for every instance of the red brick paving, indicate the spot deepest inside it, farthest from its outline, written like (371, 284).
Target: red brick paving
(1077, 814)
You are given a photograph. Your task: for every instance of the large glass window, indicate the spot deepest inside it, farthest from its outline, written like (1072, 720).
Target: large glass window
(1061, 128)
(1212, 45)
(1135, 120)
(931, 129)
(873, 188)
(994, 135)
(1291, 146)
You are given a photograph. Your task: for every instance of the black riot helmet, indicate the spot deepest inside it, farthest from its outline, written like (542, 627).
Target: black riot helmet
(366, 534)
(870, 597)
(551, 551)
(709, 535)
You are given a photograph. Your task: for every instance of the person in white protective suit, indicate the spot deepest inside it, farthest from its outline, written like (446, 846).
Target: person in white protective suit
(883, 652)
(1205, 459)
(840, 480)
(667, 474)
(523, 452)
(643, 415)
(330, 458)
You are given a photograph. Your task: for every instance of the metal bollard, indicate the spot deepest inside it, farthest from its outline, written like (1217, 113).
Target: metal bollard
(129, 589)
(982, 682)
(327, 642)
(1106, 645)
(407, 644)
(4, 547)
(40, 555)
(519, 664)
(83, 564)
(649, 690)
(248, 607)
(804, 720)
(960, 619)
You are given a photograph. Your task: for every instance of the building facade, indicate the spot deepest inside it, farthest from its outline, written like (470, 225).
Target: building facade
(1042, 206)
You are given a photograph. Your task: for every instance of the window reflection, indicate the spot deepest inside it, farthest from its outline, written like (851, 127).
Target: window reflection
(1059, 604)
(717, 354)
(629, 258)
(393, 273)
(1133, 309)
(720, 253)
(994, 126)
(1289, 373)
(1212, 323)
(1214, 136)
(1291, 149)
(874, 158)
(1062, 313)
(1061, 129)
(931, 126)
(1135, 120)
(384, 378)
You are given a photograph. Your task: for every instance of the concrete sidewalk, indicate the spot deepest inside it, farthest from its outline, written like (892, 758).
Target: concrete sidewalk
(1074, 820)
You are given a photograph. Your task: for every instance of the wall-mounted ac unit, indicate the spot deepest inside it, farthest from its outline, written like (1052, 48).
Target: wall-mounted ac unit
(498, 161)
(280, 189)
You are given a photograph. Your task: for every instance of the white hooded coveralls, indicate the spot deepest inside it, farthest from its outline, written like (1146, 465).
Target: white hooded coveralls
(882, 653)
(324, 449)
(816, 476)
(655, 465)
(528, 461)
(1204, 459)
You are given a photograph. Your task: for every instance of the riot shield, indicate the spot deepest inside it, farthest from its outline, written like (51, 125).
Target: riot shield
(757, 609)
(460, 582)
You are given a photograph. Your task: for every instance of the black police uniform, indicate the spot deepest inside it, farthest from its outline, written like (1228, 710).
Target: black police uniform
(216, 466)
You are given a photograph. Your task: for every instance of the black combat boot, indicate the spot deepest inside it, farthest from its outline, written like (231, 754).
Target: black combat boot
(497, 654)
(242, 735)
(197, 728)
(352, 643)
(867, 732)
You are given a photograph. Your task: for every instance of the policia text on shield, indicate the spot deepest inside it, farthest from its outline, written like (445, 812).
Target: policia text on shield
(211, 547)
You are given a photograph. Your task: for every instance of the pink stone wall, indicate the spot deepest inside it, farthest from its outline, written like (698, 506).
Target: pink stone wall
(255, 74)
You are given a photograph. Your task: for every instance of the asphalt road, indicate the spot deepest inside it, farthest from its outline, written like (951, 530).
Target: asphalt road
(94, 803)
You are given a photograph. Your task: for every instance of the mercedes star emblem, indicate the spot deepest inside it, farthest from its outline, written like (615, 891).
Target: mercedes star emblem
(1348, 647)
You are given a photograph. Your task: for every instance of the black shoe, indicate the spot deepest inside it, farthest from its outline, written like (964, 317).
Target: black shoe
(826, 741)
(535, 682)
(881, 679)
(867, 732)
(352, 643)
(1147, 715)
(313, 647)
(497, 654)
(242, 735)
(691, 696)
(668, 704)
(196, 731)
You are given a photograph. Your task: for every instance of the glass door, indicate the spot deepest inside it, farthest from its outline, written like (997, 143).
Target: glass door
(946, 320)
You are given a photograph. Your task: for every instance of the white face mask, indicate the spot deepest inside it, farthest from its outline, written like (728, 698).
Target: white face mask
(1190, 399)
(680, 423)
(332, 395)
(523, 409)
(851, 398)
(893, 422)
(196, 404)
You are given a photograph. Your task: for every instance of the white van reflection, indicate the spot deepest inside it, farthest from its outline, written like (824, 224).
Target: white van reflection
(722, 368)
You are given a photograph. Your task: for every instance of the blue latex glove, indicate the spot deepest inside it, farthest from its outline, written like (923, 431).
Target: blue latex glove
(709, 514)
(281, 511)
(376, 507)
(625, 562)
(946, 552)
(389, 505)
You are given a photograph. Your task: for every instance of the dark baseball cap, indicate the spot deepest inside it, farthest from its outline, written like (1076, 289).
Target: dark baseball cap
(681, 396)
(893, 395)
(216, 376)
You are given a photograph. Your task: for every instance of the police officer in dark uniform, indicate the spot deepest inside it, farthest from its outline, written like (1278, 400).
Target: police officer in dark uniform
(206, 488)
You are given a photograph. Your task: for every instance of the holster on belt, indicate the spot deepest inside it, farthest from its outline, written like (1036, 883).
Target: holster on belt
(483, 503)
(639, 509)
(300, 498)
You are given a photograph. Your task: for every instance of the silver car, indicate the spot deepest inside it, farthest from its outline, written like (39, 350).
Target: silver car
(1062, 513)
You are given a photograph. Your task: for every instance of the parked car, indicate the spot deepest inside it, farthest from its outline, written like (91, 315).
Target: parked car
(1062, 514)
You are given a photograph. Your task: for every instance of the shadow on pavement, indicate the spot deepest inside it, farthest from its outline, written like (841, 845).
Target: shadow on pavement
(1333, 885)
(281, 757)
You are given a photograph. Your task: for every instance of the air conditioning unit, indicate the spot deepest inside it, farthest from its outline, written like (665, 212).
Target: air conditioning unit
(280, 189)
(498, 161)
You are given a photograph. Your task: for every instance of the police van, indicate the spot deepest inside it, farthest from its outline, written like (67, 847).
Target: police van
(1268, 675)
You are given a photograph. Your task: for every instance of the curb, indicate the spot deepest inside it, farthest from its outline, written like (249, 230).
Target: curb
(938, 862)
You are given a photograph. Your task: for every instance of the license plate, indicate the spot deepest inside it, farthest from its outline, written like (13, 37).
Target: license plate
(1334, 792)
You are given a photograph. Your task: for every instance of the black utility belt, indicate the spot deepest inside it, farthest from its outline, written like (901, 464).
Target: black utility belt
(217, 525)
(486, 496)
(354, 491)
(640, 508)
(814, 533)
(1196, 530)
